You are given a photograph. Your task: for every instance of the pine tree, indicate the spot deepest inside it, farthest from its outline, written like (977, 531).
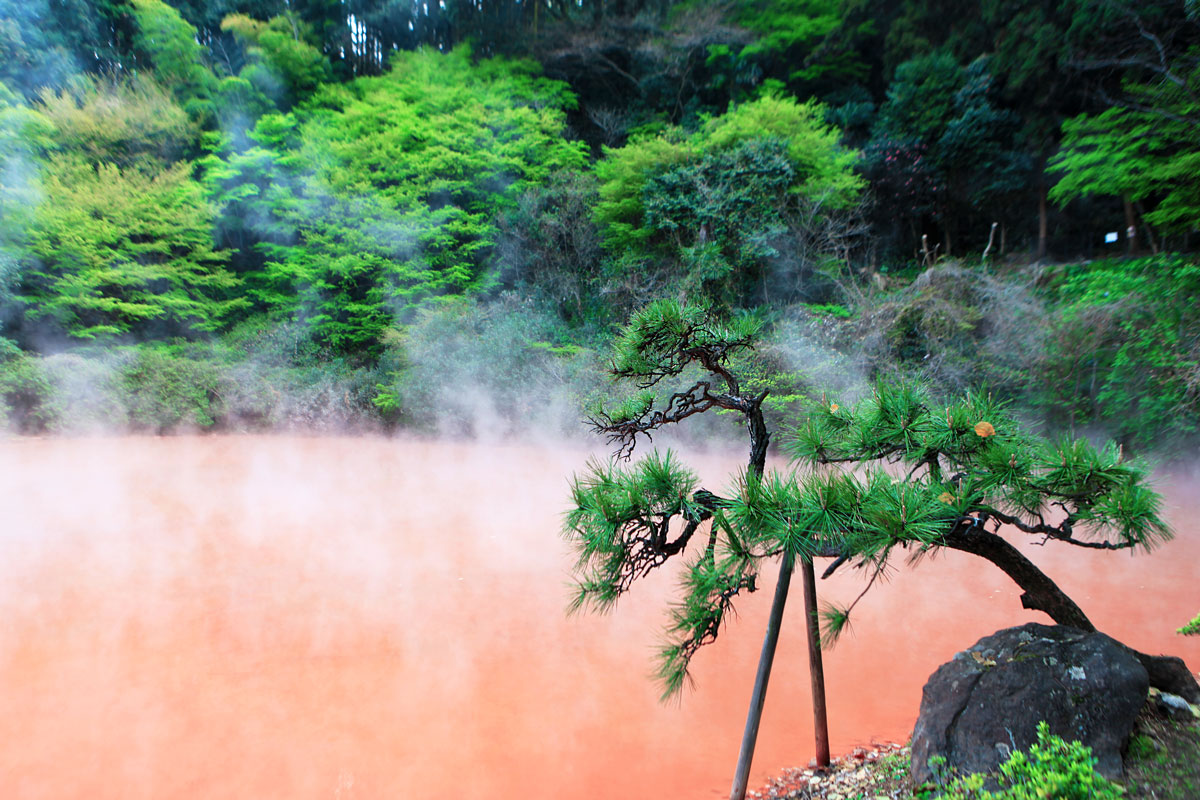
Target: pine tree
(896, 473)
(628, 521)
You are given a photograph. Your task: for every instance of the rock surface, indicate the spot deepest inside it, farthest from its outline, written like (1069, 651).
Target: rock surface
(988, 700)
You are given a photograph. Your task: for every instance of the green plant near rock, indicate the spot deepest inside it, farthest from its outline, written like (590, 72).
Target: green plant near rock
(1192, 628)
(1053, 769)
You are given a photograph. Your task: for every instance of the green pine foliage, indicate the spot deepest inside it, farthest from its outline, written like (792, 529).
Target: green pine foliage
(664, 337)
(617, 514)
(967, 462)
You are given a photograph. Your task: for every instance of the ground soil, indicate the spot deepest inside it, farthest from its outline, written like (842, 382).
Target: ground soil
(1162, 763)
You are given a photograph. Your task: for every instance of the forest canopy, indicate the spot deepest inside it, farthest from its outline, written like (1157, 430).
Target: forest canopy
(899, 188)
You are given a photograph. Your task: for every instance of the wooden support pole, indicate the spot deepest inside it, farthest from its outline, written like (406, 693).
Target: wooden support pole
(816, 667)
(741, 776)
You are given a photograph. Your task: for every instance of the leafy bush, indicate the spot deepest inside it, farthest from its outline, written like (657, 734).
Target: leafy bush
(488, 370)
(164, 391)
(26, 393)
(1124, 352)
(1053, 769)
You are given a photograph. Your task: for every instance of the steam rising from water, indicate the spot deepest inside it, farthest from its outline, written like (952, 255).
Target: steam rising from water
(355, 617)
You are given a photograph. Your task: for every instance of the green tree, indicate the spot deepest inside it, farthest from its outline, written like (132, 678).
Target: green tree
(281, 61)
(165, 42)
(381, 196)
(126, 123)
(1144, 151)
(25, 136)
(46, 43)
(717, 206)
(114, 251)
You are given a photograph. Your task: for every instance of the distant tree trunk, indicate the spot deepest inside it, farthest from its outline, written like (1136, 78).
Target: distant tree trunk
(1043, 220)
(1150, 240)
(1131, 245)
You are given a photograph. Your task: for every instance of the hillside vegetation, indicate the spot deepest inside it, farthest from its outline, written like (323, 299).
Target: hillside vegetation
(257, 214)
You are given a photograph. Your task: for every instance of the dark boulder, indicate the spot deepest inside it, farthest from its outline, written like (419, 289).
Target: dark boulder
(988, 700)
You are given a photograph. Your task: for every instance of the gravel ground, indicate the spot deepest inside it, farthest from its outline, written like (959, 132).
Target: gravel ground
(878, 772)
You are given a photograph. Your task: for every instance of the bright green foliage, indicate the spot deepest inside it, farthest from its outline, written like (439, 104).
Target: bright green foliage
(169, 45)
(788, 34)
(1053, 769)
(127, 123)
(824, 169)
(1192, 628)
(711, 204)
(282, 63)
(1125, 354)
(380, 196)
(117, 251)
(1145, 153)
(623, 175)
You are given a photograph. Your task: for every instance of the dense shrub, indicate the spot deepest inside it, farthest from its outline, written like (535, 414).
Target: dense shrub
(1053, 769)
(26, 394)
(1125, 349)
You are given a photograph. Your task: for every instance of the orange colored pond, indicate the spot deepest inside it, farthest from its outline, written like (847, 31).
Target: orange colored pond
(284, 617)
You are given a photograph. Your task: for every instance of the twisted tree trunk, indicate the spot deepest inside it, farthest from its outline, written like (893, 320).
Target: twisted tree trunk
(1040, 593)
